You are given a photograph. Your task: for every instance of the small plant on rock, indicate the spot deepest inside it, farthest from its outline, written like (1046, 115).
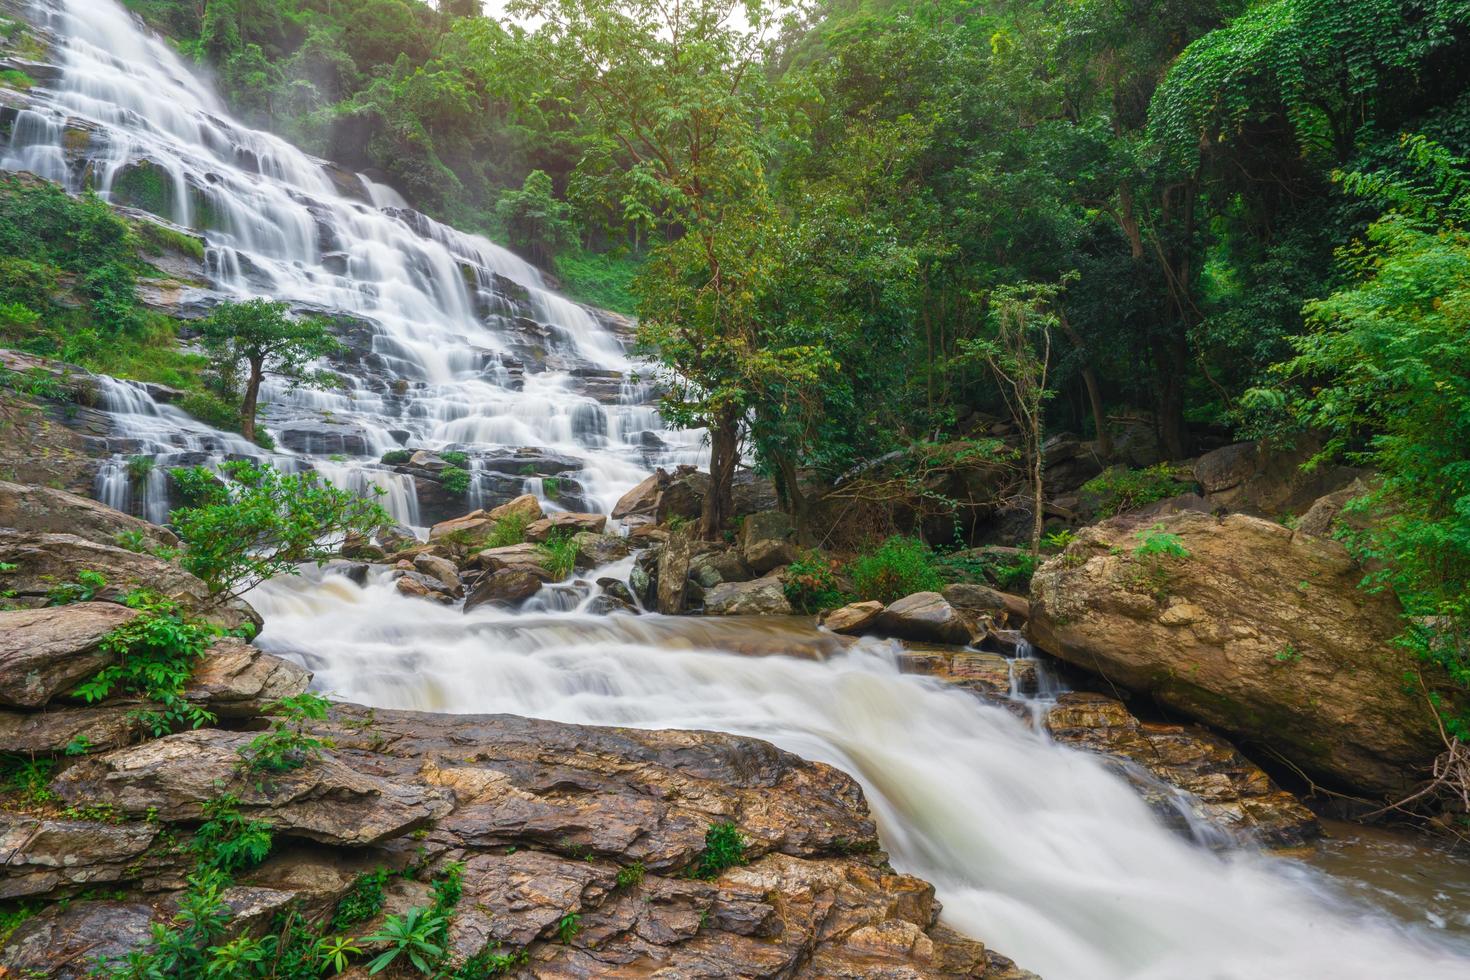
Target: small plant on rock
(454, 458)
(362, 901)
(286, 745)
(413, 936)
(509, 530)
(455, 480)
(1121, 490)
(559, 555)
(724, 847)
(568, 927)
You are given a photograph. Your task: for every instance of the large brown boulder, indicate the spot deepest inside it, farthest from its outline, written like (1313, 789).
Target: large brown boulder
(1260, 631)
(47, 652)
(927, 617)
(35, 508)
(565, 522)
(506, 588)
(45, 560)
(1255, 478)
(767, 541)
(762, 597)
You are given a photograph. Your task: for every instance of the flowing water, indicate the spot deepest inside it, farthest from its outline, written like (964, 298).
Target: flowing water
(457, 343)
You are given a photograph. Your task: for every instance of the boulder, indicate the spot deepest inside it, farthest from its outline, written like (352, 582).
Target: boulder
(673, 570)
(1261, 632)
(506, 588)
(52, 731)
(1327, 512)
(928, 618)
(762, 597)
(64, 941)
(48, 652)
(43, 560)
(237, 680)
(980, 600)
(526, 506)
(1254, 478)
(42, 509)
(767, 541)
(606, 605)
(618, 590)
(416, 585)
(565, 522)
(39, 857)
(521, 557)
(595, 550)
(683, 496)
(327, 800)
(853, 619)
(469, 530)
(441, 569)
(642, 500)
(711, 568)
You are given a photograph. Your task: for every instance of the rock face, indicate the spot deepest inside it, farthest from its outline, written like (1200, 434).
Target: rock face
(42, 509)
(47, 652)
(1250, 478)
(543, 818)
(1261, 632)
(981, 600)
(762, 597)
(767, 541)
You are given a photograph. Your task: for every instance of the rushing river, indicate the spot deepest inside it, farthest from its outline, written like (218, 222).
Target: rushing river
(1037, 849)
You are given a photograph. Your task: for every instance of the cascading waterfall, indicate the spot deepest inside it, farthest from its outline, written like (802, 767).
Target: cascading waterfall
(456, 342)
(1037, 849)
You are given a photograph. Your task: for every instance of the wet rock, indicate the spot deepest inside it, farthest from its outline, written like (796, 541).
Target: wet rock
(441, 569)
(606, 605)
(525, 506)
(359, 547)
(48, 652)
(683, 496)
(618, 590)
(927, 617)
(64, 941)
(762, 597)
(520, 557)
(327, 801)
(42, 509)
(714, 567)
(396, 537)
(469, 530)
(987, 674)
(642, 500)
(596, 550)
(1261, 632)
(355, 572)
(1225, 789)
(853, 619)
(565, 522)
(673, 570)
(237, 680)
(39, 857)
(43, 560)
(507, 588)
(767, 541)
(643, 578)
(977, 601)
(416, 585)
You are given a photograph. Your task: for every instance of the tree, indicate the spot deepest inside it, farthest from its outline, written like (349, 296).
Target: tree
(247, 523)
(680, 92)
(536, 223)
(259, 337)
(1018, 353)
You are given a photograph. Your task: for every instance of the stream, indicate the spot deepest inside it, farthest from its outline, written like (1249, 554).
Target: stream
(457, 344)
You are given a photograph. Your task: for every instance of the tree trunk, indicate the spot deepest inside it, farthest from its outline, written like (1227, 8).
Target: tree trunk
(1171, 361)
(252, 395)
(724, 442)
(1094, 390)
(789, 490)
(1038, 515)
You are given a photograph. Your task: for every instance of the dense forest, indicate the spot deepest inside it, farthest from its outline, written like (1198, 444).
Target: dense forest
(851, 230)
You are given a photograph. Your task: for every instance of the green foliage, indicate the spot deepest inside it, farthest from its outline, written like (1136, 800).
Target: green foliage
(1007, 570)
(156, 653)
(29, 778)
(1159, 543)
(227, 842)
(724, 847)
(250, 523)
(811, 583)
(286, 745)
(455, 480)
(454, 458)
(559, 554)
(397, 457)
(1388, 360)
(630, 875)
(600, 279)
(509, 530)
(898, 567)
(536, 223)
(84, 589)
(414, 936)
(211, 409)
(568, 927)
(362, 901)
(1121, 490)
(13, 915)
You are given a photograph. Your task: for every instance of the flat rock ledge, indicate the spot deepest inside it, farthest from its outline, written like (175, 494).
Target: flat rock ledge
(543, 816)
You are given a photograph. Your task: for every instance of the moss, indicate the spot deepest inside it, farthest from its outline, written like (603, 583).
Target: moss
(145, 186)
(13, 78)
(156, 239)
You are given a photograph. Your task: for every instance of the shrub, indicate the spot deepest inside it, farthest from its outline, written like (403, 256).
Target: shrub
(415, 935)
(1119, 490)
(362, 901)
(227, 842)
(811, 583)
(156, 653)
(630, 875)
(286, 745)
(84, 589)
(568, 927)
(27, 777)
(509, 530)
(262, 523)
(397, 457)
(724, 847)
(898, 567)
(212, 410)
(559, 555)
(454, 458)
(455, 480)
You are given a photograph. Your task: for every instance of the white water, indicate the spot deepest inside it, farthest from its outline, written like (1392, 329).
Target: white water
(447, 322)
(1038, 850)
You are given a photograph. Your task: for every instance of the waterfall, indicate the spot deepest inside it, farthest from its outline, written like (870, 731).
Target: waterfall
(1037, 849)
(455, 341)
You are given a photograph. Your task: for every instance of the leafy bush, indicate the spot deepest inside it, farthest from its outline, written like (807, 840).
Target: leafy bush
(397, 457)
(262, 523)
(1119, 490)
(811, 583)
(84, 589)
(1158, 543)
(227, 842)
(454, 458)
(559, 555)
(212, 410)
(29, 778)
(156, 652)
(415, 935)
(286, 745)
(568, 927)
(362, 901)
(898, 567)
(724, 847)
(1006, 569)
(455, 480)
(630, 875)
